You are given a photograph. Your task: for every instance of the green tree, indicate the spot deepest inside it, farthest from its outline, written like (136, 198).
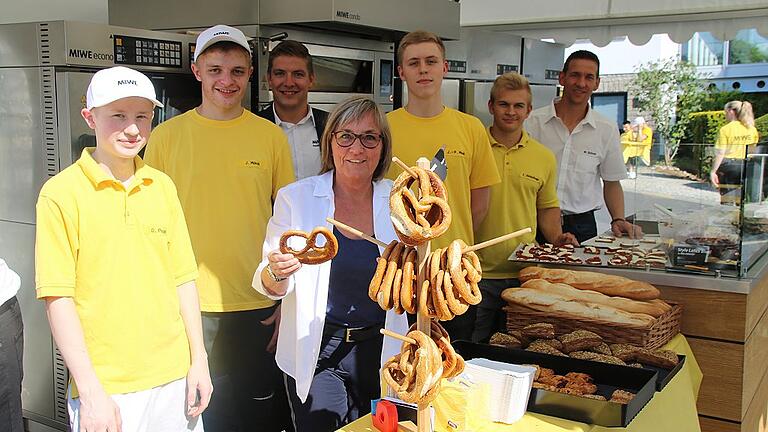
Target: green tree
(742, 52)
(669, 90)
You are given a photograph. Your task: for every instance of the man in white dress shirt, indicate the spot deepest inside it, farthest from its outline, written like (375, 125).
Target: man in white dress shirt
(586, 145)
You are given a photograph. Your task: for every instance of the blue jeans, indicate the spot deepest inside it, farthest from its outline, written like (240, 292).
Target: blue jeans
(491, 317)
(346, 380)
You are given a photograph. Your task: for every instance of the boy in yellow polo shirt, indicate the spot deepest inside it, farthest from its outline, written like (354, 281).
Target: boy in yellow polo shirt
(526, 197)
(229, 164)
(423, 126)
(115, 267)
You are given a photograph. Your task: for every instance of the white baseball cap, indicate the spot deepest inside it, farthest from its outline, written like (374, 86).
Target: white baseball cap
(109, 85)
(638, 121)
(220, 33)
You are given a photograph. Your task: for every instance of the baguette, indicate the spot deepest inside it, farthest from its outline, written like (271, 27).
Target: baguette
(588, 296)
(606, 284)
(549, 302)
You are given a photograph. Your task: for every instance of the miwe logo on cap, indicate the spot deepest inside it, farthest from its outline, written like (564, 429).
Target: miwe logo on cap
(221, 33)
(127, 82)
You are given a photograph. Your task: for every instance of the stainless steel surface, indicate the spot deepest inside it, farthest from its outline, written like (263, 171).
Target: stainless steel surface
(486, 53)
(542, 95)
(182, 14)
(45, 69)
(476, 95)
(17, 247)
(438, 16)
(540, 57)
(450, 91)
(342, 65)
(76, 44)
(22, 164)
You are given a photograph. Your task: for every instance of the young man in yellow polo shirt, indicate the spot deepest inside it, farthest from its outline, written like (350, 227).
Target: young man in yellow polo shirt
(526, 197)
(115, 267)
(423, 126)
(228, 165)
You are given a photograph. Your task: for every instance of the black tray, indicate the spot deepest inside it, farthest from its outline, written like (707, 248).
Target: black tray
(666, 375)
(607, 377)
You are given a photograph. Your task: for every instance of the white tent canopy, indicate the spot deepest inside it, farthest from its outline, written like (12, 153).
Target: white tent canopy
(601, 21)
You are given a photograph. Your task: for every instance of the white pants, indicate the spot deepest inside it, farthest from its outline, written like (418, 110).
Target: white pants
(162, 408)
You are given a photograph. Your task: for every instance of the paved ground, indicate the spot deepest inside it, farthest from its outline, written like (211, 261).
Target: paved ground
(650, 187)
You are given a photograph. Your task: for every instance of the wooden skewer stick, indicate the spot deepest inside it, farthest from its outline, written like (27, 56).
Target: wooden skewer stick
(405, 167)
(356, 232)
(397, 336)
(496, 240)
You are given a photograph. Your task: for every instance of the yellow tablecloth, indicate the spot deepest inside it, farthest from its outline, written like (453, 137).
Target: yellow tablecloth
(672, 410)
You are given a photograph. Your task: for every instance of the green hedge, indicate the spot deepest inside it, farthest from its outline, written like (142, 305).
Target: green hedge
(716, 100)
(694, 154)
(761, 123)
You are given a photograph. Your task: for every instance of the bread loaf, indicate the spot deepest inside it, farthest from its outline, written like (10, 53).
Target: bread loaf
(606, 284)
(549, 302)
(629, 305)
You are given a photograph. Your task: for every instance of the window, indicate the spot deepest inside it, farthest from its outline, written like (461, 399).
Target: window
(611, 105)
(703, 50)
(748, 47)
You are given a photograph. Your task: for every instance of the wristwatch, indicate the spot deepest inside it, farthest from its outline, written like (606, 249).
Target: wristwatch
(273, 276)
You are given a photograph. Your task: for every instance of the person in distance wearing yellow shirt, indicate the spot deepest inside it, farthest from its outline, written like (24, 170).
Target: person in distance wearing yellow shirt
(115, 266)
(731, 149)
(229, 164)
(526, 197)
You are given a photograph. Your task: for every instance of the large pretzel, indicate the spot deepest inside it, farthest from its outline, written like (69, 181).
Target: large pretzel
(417, 220)
(415, 373)
(453, 363)
(311, 253)
(465, 278)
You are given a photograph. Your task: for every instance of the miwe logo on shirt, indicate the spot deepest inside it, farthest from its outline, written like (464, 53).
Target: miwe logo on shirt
(251, 163)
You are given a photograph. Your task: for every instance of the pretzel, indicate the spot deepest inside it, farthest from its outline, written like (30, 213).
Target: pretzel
(463, 280)
(418, 220)
(415, 373)
(408, 289)
(385, 298)
(450, 283)
(311, 253)
(453, 363)
(393, 285)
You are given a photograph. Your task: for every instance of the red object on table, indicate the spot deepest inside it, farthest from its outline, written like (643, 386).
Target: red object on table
(385, 419)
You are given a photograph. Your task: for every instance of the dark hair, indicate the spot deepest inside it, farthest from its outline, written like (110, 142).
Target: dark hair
(347, 111)
(583, 55)
(626, 122)
(290, 48)
(417, 37)
(225, 46)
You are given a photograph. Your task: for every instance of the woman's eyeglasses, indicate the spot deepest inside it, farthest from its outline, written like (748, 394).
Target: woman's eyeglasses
(346, 139)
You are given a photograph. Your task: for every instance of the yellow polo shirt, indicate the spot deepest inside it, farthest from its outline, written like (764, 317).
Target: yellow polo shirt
(528, 182)
(734, 139)
(120, 253)
(227, 173)
(467, 154)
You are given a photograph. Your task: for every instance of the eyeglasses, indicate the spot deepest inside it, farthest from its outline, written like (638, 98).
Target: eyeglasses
(346, 139)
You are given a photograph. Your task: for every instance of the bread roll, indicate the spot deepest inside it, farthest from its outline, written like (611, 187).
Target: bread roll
(606, 284)
(549, 302)
(589, 296)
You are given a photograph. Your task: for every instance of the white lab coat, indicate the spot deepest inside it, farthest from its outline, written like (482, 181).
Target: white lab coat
(304, 205)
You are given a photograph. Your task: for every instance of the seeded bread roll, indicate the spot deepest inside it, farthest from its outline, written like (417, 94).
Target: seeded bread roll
(565, 306)
(650, 308)
(606, 284)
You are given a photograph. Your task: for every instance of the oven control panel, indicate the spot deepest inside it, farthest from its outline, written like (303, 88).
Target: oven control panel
(137, 51)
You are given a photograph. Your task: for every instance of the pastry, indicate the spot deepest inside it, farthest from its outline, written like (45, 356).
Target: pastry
(586, 355)
(311, 253)
(660, 358)
(544, 348)
(579, 340)
(606, 284)
(539, 331)
(505, 340)
(622, 397)
(419, 219)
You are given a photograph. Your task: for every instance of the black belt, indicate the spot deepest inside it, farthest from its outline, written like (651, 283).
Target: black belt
(352, 334)
(571, 218)
(5, 307)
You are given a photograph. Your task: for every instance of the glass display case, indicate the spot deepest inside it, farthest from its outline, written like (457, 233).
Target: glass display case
(689, 225)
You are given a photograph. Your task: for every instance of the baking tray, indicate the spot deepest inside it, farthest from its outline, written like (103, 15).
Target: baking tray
(666, 375)
(578, 252)
(607, 377)
(643, 244)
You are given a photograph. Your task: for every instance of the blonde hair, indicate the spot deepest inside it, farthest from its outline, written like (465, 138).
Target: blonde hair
(510, 81)
(417, 37)
(346, 112)
(743, 110)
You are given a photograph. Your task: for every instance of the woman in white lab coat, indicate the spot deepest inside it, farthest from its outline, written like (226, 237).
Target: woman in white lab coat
(329, 344)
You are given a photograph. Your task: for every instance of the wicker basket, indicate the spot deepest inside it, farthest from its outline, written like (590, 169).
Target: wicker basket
(663, 329)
